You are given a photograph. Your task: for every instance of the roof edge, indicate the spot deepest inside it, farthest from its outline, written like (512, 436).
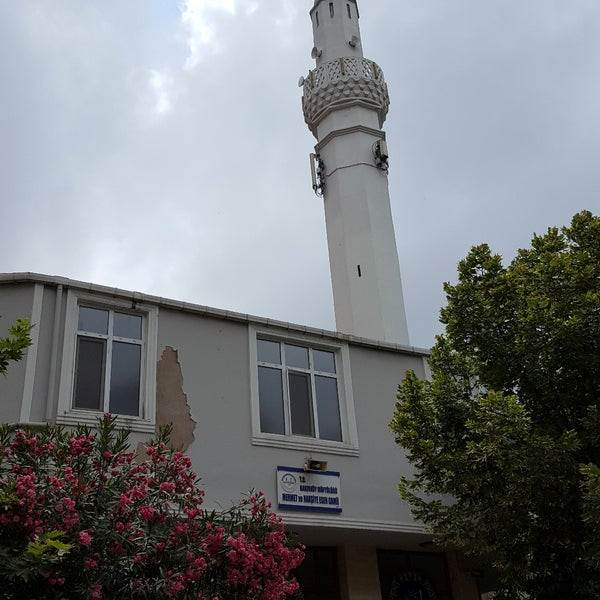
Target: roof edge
(54, 280)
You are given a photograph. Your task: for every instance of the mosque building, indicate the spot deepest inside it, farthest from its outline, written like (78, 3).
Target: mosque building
(298, 412)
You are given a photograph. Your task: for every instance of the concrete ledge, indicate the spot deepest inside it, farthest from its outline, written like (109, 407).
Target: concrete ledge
(315, 520)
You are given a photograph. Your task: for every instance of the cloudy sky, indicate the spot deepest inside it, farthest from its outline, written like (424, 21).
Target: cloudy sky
(159, 145)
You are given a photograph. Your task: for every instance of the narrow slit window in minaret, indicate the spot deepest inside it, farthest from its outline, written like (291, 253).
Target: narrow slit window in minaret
(359, 271)
(331, 10)
(349, 11)
(317, 18)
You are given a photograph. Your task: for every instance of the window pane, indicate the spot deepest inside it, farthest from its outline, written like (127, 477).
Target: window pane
(127, 326)
(300, 404)
(269, 352)
(296, 356)
(89, 378)
(324, 361)
(93, 320)
(270, 392)
(328, 408)
(125, 379)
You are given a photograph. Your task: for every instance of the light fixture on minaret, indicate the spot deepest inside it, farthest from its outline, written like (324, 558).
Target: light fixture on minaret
(345, 102)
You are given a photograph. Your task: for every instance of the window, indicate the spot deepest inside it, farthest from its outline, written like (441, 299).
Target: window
(349, 11)
(301, 381)
(317, 18)
(302, 394)
(109, 362)
(331, 10)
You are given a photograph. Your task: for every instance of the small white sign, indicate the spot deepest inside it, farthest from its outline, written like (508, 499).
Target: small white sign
(308, 491)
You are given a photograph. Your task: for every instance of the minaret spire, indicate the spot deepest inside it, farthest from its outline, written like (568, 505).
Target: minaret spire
(345, 103)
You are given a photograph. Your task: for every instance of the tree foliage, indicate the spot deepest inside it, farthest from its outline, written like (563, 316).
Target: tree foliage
(13, 346)
(505, 437)
(81, 516)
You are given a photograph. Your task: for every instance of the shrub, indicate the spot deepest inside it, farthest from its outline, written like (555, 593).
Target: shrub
(82, 516)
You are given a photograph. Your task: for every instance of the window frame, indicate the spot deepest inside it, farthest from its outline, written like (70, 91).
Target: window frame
(349, 444)
(110, 339)
(67, 413)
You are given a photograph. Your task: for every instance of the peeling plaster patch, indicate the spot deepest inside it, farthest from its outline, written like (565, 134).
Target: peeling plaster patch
(172, 405)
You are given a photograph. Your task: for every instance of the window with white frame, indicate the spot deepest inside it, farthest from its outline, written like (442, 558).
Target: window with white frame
(109, 361)
(298, 390)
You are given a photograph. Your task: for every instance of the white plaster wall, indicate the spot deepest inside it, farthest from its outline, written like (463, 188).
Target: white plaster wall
(214, 358)
(41, 390)
(16, 302)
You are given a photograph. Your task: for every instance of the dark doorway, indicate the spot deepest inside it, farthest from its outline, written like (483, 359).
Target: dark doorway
(318, 575)
(413, 576)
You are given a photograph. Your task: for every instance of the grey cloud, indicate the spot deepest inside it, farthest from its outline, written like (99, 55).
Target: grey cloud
(494, 132)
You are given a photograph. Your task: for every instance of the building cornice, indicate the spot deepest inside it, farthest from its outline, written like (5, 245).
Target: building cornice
(314, 520)
(207, 311)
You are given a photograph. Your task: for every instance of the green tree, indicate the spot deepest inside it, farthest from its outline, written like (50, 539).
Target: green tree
(13, 346)
(505, 437)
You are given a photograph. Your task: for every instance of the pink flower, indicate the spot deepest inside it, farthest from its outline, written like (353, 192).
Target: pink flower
(96, 592)
(69, 504)
(147, 513)
(167, 486)
(85, 539)
(90, 563)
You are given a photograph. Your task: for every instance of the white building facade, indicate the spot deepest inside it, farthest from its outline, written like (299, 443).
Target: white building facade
(252, 401)
(297, 412)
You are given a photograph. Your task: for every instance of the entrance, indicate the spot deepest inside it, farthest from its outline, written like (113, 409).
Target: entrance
(318, 575)
(413, 576)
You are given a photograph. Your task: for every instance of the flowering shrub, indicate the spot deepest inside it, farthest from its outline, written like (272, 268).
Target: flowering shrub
(81, 516)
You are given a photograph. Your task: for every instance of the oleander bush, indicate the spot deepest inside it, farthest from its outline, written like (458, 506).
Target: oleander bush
(84, 516)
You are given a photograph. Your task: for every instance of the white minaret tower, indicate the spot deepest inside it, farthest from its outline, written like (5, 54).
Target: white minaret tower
(345, 102)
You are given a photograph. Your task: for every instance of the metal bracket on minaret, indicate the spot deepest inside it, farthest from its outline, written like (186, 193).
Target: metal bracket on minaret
(317, 171)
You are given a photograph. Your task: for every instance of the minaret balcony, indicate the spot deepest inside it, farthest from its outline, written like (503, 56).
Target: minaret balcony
(342, 83)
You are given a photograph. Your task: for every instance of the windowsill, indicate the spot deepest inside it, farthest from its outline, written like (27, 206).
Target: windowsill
(90, 418)
(304, 444)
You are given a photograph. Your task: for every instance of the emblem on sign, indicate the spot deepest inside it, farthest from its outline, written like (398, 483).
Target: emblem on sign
(288, 482)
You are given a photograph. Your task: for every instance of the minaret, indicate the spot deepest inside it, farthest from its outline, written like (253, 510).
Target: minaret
(345, 103)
